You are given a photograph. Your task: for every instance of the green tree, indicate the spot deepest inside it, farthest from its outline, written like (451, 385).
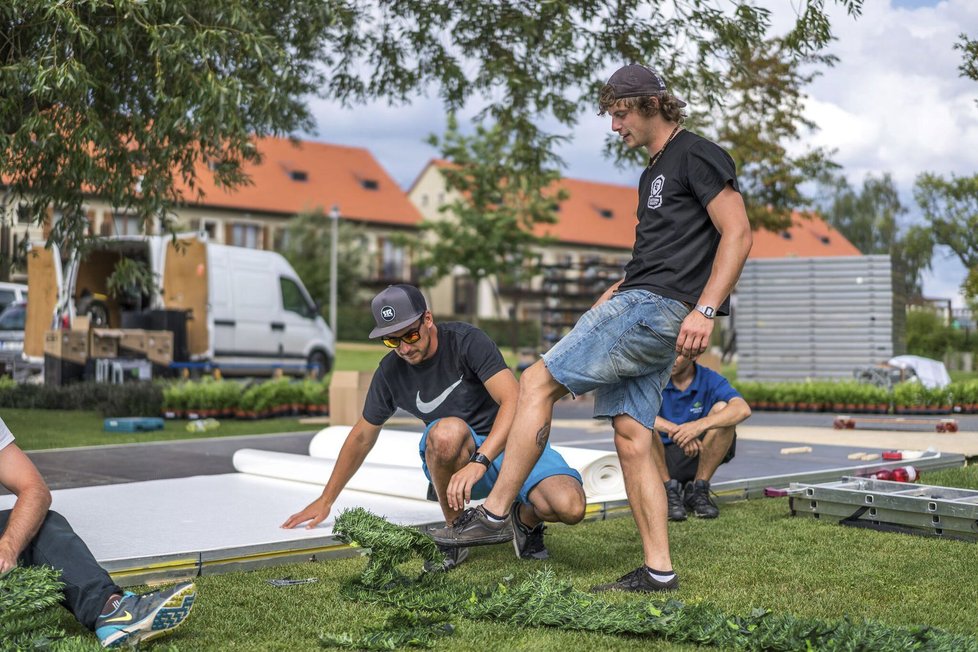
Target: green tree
(492, 226)
(120, 99)
(950, 207)
(870, 218)
(307, 246)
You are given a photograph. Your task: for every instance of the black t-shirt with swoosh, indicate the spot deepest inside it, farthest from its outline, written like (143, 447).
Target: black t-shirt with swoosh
(449, 384)
(675, 240)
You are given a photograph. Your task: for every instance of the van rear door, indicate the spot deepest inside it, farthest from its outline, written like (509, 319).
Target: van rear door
(44, 287)
(185, 288)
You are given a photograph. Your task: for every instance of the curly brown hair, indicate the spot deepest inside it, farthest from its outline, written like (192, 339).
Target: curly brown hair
(664, 102)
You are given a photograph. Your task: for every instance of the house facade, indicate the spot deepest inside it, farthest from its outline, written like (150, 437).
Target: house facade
(294, 177)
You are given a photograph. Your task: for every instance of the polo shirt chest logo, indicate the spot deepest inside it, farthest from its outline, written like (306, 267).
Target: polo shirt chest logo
(696, 408)
(655, 192)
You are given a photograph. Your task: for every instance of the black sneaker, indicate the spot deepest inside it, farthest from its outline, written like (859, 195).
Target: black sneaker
(473, 527)
(638, 580)
(674, 495)
(697, 498)
(453, 557)
(528, 542)
(140, 618)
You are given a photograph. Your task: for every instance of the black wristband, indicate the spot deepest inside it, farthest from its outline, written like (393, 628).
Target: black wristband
(479, 458)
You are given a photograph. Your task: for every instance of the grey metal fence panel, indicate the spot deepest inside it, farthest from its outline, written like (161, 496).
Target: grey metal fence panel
(799, 318)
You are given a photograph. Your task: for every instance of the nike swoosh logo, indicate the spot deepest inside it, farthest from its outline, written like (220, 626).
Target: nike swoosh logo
(125, 617)
(429, 406)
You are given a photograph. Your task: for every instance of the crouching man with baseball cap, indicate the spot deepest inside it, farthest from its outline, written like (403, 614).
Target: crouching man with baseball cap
(453, 378)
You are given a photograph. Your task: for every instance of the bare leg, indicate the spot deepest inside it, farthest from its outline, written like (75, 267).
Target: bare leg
(638, 447)
(716, 443)
(557, 499)
(527, 437)
(448, 449)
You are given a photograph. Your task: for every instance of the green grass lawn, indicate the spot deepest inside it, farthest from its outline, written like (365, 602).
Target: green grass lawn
(754, 555)
(42, 429)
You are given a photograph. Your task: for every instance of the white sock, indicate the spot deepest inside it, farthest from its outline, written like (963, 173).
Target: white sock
(660, 576)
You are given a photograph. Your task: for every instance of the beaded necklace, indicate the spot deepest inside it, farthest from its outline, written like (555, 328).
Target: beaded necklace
(658, 154)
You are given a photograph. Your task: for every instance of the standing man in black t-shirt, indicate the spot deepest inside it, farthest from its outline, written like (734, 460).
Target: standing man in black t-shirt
(691, 241)
(453, 378)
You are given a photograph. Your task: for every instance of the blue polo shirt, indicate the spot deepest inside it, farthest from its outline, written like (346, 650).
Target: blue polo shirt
(707, 389)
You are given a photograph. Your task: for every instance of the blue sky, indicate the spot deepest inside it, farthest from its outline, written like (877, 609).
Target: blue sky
(894, 103)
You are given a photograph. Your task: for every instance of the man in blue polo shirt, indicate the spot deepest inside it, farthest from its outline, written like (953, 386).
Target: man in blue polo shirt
(697, 423)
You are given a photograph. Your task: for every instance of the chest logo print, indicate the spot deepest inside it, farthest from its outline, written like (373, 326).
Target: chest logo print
(431, 406)
(655, 193)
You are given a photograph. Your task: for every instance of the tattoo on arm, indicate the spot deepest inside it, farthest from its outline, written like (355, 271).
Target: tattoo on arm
(543, 434)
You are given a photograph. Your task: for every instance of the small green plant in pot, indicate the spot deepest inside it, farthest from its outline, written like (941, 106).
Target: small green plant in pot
(132, 284)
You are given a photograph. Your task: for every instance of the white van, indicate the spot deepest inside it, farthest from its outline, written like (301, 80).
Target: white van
(247, 310)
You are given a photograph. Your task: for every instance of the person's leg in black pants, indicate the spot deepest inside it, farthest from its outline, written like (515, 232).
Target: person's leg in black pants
(87, 586)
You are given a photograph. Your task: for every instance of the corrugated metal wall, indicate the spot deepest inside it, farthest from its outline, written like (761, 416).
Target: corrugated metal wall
(800, 318)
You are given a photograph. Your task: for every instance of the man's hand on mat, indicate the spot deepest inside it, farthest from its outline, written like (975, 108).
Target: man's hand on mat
(316, 512)
(460, 486)
(8, 558)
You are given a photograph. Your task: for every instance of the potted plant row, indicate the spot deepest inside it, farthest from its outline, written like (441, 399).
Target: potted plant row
(210, 398)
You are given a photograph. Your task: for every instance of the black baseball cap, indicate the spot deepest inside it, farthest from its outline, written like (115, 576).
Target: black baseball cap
(397, 307)
(636, 80)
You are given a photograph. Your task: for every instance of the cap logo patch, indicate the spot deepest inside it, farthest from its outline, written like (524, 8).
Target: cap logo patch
(387, 313)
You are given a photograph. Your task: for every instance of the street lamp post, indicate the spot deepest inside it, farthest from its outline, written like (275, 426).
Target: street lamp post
(334, 218)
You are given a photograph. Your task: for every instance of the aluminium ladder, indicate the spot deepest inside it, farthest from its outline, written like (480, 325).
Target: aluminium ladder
(892, 506)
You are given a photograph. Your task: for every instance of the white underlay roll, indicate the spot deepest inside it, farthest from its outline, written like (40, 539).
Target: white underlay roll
(393, 447)
(600, 470)
(400, 481)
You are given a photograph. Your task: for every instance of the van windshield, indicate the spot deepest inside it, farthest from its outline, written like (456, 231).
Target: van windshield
(293, 298)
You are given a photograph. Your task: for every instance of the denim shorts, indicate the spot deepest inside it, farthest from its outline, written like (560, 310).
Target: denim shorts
(623, 350)
(550, 463)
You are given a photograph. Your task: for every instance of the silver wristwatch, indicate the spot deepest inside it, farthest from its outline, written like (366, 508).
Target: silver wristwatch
(707, 311)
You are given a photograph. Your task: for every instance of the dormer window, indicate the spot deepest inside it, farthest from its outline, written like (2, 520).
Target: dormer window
(825, 239)
(786, 235)
(299, 175)
(606, 213)
(370, 184)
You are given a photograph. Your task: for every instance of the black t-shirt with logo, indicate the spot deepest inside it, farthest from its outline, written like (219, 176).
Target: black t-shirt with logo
(449, 384)
(675, 240)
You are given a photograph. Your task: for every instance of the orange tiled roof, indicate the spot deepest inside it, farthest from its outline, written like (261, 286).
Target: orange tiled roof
(808, 237)
(349, 177)
(597, 214)
(603, 215)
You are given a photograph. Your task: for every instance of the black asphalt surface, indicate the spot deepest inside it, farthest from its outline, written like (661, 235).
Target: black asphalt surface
(102, 465)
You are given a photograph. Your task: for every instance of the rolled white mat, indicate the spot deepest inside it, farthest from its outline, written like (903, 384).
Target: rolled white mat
(393, 447)
(400, 481)
(600, 470)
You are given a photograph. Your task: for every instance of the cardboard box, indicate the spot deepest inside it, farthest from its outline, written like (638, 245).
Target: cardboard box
(81, 323)
(347, 394)
(710, 360)
(67, 345)
(104, 342)
(133, 339)
(159, 346)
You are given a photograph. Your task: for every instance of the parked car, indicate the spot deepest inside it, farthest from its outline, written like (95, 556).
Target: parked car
(12, 293)
(12, 335)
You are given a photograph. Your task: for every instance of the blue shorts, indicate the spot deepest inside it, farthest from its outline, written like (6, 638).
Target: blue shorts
(550, 463)
(622, 349)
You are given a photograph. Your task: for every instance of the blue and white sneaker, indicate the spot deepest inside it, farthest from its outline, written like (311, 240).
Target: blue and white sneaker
(144, 617)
